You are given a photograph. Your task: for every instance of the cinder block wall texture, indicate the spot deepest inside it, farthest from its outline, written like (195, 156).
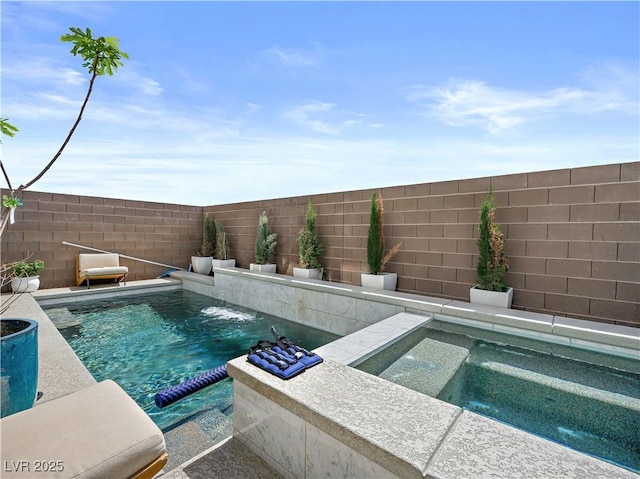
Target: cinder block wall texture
(163, 233)
(572, 236)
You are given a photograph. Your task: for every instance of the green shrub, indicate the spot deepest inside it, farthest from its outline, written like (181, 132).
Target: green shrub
(208, 237)
(222, 244)
(266, 241)
(309, 246)
(492, 262)
(376, 259)
(24, 269)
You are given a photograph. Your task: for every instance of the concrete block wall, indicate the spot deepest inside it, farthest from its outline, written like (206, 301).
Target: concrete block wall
(164, 233)
(572, 237)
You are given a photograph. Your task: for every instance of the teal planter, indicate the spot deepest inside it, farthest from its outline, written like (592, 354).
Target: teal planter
(19, 366)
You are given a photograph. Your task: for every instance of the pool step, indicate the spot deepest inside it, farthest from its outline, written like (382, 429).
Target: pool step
(427, 367)
(571, 377)
(196, 435)
(229, 459)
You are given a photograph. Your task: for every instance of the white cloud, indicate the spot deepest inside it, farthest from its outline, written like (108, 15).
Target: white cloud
(132, 78)
(295, 57)
(322, 117)
(252, 108)
(472, 102)
(615, 87)
(304, 113)
(189, 81)
(185, 169)
(42, 70)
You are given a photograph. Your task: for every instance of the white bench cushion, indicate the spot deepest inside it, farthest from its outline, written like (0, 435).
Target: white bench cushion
(86, 261)
(107, 270)
(98, 432)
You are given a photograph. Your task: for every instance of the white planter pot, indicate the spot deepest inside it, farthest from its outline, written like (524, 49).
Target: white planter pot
(201, 264)
(25, 285)
(311, 273)
(263, 268)
(491, 298)
(386, 281)
(224, 263)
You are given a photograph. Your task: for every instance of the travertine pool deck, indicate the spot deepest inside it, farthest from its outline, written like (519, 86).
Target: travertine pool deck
(61, 373)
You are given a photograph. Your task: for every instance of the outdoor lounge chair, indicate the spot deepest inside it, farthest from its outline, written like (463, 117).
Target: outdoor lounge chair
(99, 266)
(97, 432)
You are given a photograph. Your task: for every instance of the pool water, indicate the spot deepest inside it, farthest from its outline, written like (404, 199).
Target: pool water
(579, 403)
(158, 340)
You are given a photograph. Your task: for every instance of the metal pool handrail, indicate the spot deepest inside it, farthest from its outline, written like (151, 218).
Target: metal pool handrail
(123, 255)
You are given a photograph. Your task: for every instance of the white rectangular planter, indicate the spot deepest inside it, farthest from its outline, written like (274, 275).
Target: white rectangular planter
(312, 273)
(224, 263)
(491, 298)
(263, 268)
(386, 281)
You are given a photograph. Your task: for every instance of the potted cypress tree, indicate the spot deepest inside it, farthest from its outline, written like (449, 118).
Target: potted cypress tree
(309, 248)
(202, 261)
(221, 259)
(376, 259)
(492, 262)
(266, 243)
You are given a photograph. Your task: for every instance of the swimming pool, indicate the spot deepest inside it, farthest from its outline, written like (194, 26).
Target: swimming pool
(151, 342)
(587, 401)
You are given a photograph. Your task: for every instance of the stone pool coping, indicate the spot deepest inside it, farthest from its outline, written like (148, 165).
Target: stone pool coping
(308, 427)
(299, 299)
(62, 373)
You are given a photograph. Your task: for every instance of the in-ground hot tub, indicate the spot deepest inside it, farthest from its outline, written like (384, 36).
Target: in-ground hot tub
(19, 371)
(335, 420)
(585, 400)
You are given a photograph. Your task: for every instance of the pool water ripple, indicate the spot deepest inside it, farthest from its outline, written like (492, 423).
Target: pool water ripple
(156, 341)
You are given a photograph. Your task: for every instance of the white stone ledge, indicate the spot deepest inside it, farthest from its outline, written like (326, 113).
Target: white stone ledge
(357, 347)
(391, 426)
(591, 335)
(190, 276)
(619, 336)
(371, 424)
(51, 297)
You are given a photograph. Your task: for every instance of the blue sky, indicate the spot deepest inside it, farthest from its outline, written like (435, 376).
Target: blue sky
(235, 101)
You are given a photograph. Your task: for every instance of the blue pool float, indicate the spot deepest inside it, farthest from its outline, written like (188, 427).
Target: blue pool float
(190, 386)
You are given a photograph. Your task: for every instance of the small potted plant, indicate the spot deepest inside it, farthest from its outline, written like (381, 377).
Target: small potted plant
(376, 259)
(203, 260)
(492, 262)
(266, 243)
(25, 275)
(221, 259)
(309, 248)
